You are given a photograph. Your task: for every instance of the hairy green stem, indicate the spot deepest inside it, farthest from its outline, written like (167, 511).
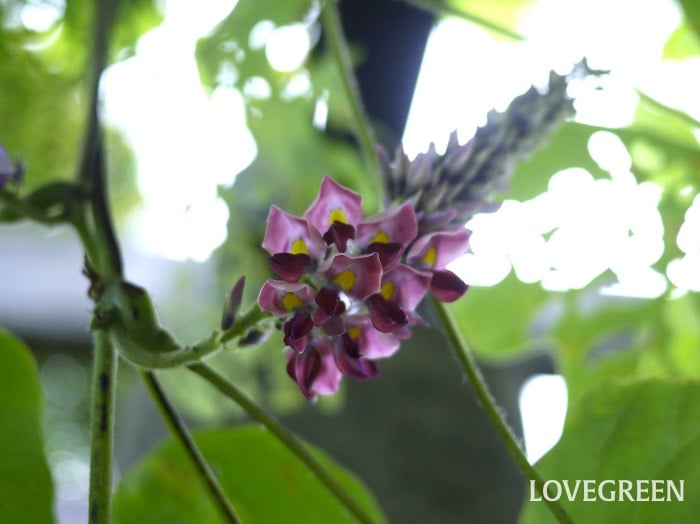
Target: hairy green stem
(104, 382)
(184, 438)
(488, 403)
(339, 47)
(447, 8)
(285, 436)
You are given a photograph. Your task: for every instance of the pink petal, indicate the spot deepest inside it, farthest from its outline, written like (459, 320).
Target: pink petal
(359, 277)
(287, 233)
(328, 379)
(405, 286)
(280, 297)
(334, 203)
(297, 329)
(372, 344)
(436, 250)
(397, 225)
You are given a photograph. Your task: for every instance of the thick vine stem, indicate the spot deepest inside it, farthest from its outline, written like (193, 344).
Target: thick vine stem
(184, 438)
(104, 383)
(488, 403)
(285, 436)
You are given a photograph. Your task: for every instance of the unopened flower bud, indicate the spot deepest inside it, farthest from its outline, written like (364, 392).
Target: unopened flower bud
(232, 304)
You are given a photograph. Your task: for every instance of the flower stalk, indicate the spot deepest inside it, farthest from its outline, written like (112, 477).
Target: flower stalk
(184, 438)
(488, 404)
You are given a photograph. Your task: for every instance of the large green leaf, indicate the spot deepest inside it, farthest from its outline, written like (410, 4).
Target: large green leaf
(264, 481)
(26, 489)
(636, 430)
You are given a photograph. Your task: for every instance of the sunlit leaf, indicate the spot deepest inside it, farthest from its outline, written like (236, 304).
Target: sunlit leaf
(44, 82)
(684, 42)
(637, 430)
(26, 489)
(567, 147)
(691, 9)
(264, 481)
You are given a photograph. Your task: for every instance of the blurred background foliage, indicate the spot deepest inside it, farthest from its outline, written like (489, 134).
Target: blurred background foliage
(648, 347)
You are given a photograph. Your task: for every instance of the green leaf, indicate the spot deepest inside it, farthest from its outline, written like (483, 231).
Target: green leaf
(683, 43)
(691, 9)
(264, 481)
(636, 430)
(26, 489)
(497, 321)
(567, 147)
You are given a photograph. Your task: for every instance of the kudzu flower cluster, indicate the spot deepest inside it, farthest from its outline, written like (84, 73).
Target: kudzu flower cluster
(349, 285)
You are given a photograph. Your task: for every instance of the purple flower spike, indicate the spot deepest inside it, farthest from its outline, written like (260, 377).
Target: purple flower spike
(297, 329)
(446, 286)
(385, 315)
(359, 277)
(334, 203)
(290, 267)
(436, 250)
(396, 225)
(280, 298)
(339, 234)
(287, 233)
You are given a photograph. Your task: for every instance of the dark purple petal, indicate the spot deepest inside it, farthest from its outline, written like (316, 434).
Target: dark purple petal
(339, 233)
(290, 267)
(389, 253)
(386, 316)
(303, 368)
(446, 286)
(297, 329)
(329, 305)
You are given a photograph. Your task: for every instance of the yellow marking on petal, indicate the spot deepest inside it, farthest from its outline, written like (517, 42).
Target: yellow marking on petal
(337, 215)
(381, 238)
(299, 247)
(429, 257)
(387, 290)
(354, 332)
(290, 302)
(345, 280)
